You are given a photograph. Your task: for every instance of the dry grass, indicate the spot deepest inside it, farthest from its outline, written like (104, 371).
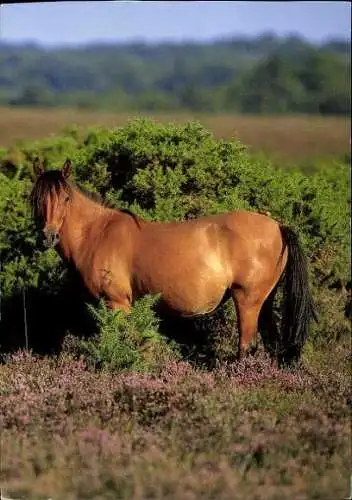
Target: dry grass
(291, 138)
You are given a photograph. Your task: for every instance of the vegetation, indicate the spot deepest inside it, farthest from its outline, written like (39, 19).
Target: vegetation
(261, 75)
(125, 342)
(246, 431)
(165, 173)
(303, 141)
(117, 414)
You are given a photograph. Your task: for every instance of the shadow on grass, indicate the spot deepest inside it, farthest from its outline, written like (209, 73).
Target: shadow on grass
(205, 341)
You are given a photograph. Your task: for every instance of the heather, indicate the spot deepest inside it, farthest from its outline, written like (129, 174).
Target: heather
(242, 430)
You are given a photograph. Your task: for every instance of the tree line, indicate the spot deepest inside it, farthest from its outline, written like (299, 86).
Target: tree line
(266, 74)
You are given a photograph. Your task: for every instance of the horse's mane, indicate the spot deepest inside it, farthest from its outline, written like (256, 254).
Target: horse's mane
(53, 181)
(134, 216)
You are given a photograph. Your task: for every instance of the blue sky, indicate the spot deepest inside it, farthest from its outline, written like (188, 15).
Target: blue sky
(64, 23)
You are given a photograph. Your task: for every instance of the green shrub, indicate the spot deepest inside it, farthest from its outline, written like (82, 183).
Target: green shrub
(173, 172)
(127, 341)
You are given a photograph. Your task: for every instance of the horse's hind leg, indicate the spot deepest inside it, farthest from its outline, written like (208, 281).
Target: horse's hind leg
(267, 325)
(248, 306)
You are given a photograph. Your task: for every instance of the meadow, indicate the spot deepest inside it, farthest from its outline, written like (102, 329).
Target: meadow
(127, 414)
(285, 139)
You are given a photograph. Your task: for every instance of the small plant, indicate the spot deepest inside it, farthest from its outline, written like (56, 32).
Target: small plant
(127, 341)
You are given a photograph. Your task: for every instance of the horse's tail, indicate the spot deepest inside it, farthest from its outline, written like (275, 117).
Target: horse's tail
(298, 304)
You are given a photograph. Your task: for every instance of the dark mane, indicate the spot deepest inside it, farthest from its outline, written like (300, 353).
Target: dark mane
(98, 199)
(92, 195)
(47, 183)
(134, 216)
(53, 181)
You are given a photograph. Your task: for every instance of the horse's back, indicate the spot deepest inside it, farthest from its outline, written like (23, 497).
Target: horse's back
(249, 223)
(220, 246)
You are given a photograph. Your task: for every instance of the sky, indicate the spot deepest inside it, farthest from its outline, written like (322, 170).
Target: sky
(77, 23)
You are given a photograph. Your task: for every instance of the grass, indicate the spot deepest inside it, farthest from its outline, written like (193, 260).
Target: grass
(246, 430)
(287, 139)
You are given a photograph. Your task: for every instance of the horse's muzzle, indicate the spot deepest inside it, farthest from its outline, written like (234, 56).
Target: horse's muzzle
(51, 238)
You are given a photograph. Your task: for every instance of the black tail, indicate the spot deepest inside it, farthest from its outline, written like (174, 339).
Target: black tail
(298, 304)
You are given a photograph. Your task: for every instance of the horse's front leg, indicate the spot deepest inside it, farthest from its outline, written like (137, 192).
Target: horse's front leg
(119, 305)
(116, 291)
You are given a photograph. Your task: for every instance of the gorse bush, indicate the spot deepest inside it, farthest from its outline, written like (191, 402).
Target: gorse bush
(128, 341)
(171, 172)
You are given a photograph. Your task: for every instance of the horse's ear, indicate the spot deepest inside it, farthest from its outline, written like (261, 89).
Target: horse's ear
(66, 169)
(38, 167)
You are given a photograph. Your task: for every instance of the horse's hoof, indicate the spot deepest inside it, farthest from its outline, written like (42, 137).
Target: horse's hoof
(241, 355)
(252, 350)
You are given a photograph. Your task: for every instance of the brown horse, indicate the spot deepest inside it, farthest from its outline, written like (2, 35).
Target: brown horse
(192, 264)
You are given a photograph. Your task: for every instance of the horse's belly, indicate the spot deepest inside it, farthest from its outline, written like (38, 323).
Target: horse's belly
(194, 307)
(190, 291)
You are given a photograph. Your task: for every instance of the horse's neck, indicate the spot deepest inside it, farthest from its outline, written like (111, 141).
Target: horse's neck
(83, 214)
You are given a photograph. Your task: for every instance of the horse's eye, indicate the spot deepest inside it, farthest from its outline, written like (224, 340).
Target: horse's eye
(67, 199)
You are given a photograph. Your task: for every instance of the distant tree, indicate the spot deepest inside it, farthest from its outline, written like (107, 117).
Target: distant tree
(326, 80)
(33, 95)
(271, 87)
(266, 74)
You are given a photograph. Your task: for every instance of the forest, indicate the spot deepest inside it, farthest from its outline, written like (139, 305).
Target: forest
(262, 75)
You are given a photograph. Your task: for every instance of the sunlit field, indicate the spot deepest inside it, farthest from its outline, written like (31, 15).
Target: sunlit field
(288, 139)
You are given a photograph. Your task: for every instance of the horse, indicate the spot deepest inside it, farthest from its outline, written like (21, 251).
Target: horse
(191, 264)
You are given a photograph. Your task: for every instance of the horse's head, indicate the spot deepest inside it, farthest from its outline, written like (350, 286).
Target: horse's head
(50, 198)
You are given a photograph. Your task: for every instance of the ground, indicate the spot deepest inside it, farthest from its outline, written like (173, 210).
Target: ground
(286, 139)
(246, 430)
